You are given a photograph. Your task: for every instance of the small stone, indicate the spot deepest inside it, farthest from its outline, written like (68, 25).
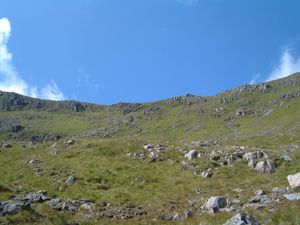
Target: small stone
(71, 180)
(34, 161)
(53, 149)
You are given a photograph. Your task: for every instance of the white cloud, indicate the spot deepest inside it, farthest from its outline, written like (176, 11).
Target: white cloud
(51, 91)
(10, 80)
(288, 65)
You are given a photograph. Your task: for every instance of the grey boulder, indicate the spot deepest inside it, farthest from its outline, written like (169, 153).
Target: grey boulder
(13, 207)
(215, 203)
(294, 180)
(266, 166)
(292, 197)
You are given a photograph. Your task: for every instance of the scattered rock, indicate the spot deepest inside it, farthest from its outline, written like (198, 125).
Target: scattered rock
(278, 191)
(214, 204)
(286, 158)
(191, 155)
(206, 174)
(6, 146)
(139, 156)
(242, 219)
(17, 128)
(69, 143)
(53, 149)
(87, 206)
(188, 213)
(266, 166)
(29, 145)
(60, 205)
(292, 197)
(294, 180)
(71, 180)
(34, 161)
(39, 196)
(214, 156)
(252, 163)
(13, 207)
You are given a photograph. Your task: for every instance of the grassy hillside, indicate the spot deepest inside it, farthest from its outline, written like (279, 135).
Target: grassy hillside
(118, 176)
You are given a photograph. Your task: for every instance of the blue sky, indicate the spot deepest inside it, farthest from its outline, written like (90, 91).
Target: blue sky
(109, 51)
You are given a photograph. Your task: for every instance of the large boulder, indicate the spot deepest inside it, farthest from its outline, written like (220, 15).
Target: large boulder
(242, 219)
(294, 180)
(266, 166)
(215, 203)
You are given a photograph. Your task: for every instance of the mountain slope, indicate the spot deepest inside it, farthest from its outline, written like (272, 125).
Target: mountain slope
(98, 170)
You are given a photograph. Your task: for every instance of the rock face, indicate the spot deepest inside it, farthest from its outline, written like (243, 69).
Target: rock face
(191, 155)
(242, 219)
(266, 166)
(13, 207)
(214, 204)
(294, 180)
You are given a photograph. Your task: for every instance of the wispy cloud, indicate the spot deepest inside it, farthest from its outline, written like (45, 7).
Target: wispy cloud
(288, 64)
(10, 80)
(255, 79)
(84, 79)
(51, 91)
